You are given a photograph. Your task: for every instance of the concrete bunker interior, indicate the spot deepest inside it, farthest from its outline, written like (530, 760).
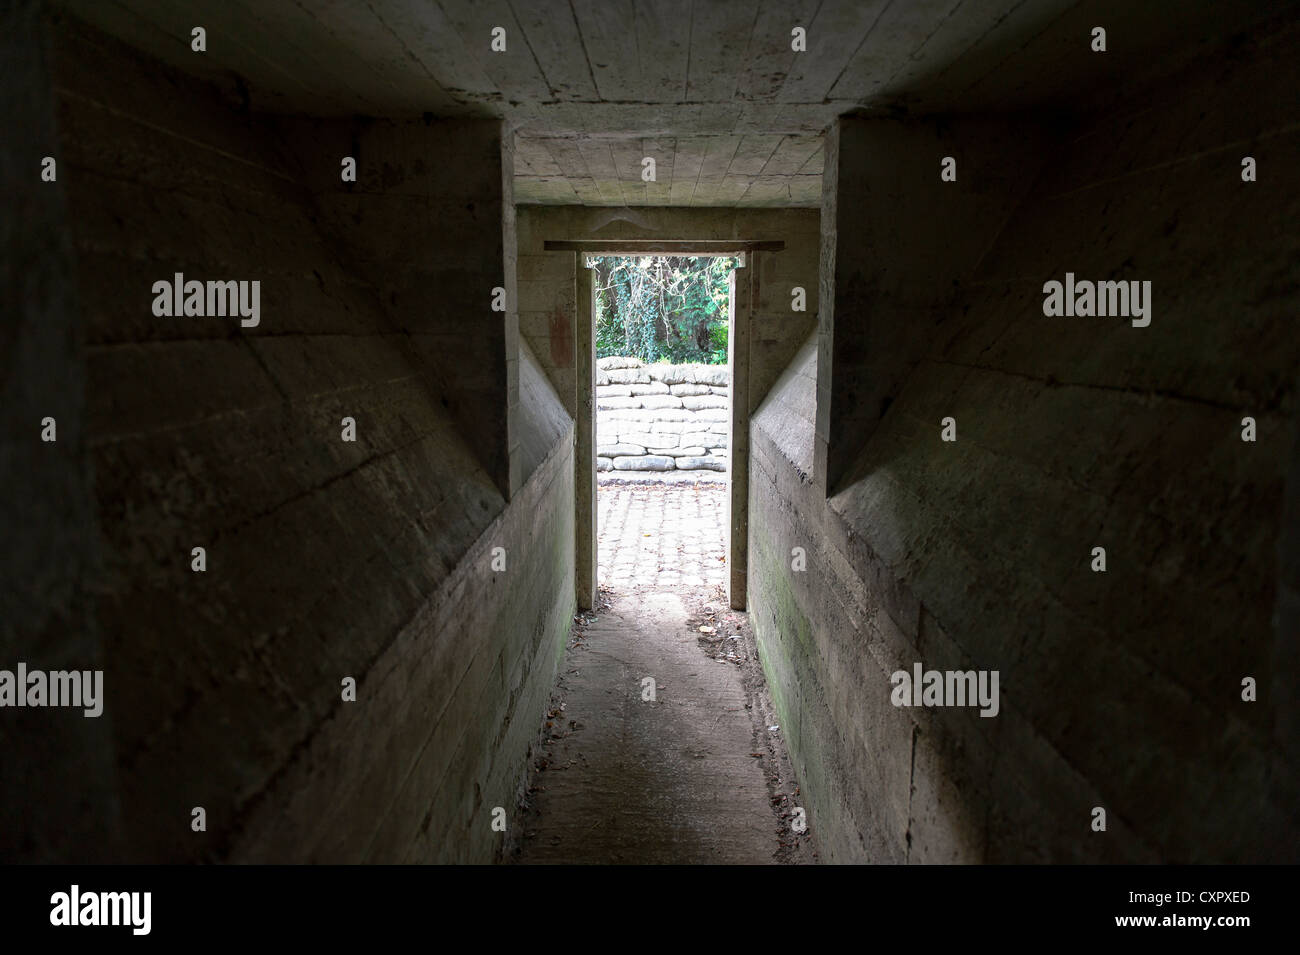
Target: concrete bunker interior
(391, 476)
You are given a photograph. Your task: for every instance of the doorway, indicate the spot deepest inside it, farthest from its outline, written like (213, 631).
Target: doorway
(663, 408)
(742, 293)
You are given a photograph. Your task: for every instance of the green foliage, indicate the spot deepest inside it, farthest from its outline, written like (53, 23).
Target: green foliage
(663, 308)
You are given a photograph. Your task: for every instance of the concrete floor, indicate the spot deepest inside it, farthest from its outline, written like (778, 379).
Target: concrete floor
(697, 774)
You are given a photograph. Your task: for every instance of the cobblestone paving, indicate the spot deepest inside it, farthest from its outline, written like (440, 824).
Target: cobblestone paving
(661, 537)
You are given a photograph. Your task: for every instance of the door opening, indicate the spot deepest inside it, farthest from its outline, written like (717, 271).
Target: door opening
(663, 420)
(742, 295)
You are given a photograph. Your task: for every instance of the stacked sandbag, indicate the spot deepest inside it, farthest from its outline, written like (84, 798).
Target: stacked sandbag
(661, 417)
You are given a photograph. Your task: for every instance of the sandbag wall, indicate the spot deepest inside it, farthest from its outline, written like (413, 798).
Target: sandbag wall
(661, 417)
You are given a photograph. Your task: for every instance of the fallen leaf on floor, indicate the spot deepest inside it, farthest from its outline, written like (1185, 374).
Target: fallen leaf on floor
(707, 630)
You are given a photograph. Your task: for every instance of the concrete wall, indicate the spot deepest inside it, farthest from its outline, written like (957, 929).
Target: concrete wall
(325, 559)
(1284, 668)
(896, 257)
(546, 303)
(1119, 689)
(51, 540)
(431, 219)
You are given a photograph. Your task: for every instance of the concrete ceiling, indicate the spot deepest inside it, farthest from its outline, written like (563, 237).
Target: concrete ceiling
(709, 88)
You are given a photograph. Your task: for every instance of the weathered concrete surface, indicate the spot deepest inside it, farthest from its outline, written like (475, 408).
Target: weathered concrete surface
(546, 307)
(58, 795)
(696, 774)
(649, 782)
(1284, 667)
(713, 91)
(896, 258)
(578, 396)
(454, 706)
(1120, 690)
(430, 224)
(542, 420)
(373, 559)
(326, 559)
(742, 300)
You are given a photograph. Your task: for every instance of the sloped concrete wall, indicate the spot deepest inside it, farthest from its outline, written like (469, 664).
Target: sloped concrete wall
(1120, 690)
(430, 222)
(394, 560)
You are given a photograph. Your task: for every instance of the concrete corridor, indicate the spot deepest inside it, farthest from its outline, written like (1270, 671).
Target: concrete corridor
(299, 389)
(698, 773)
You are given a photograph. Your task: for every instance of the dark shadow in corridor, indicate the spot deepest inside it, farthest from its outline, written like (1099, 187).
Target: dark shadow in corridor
(661, 746)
